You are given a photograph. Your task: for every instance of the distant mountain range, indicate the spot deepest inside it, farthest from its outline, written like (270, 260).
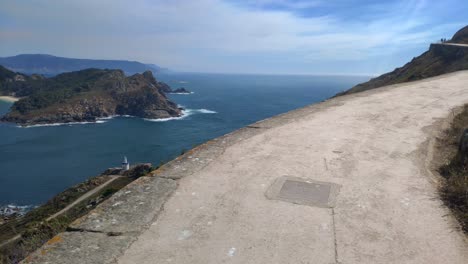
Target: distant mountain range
(51, 65)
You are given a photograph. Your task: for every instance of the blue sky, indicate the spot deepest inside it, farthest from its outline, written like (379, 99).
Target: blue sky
(235, 36)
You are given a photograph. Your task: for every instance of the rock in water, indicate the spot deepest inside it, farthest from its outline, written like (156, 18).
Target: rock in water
(181, 90)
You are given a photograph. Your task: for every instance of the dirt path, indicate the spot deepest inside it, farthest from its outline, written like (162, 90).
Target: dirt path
(373, 144)
(10, 240)
(84, 197)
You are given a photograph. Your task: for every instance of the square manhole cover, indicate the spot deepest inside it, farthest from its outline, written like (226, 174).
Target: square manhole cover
(303, 191)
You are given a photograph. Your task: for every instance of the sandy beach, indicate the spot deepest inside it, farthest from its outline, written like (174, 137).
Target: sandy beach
(8, 98)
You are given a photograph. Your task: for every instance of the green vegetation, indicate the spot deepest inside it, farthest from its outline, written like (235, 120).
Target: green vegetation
(35, 230)
(5, 73)
(12, 83)
(45, 92)
(36, 234)
(454, 189)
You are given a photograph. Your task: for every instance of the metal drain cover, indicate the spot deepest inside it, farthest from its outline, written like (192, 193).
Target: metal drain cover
(303, 191)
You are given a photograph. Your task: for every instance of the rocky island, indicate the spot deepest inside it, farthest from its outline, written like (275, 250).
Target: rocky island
(181, 90)
(84, 96)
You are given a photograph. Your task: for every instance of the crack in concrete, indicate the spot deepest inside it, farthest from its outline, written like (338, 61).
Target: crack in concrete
(334, 235)
(325, 163)
(110, 233)
(257, 127)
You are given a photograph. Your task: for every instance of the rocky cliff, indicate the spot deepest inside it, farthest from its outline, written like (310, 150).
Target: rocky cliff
(439, 59)
(85, 96)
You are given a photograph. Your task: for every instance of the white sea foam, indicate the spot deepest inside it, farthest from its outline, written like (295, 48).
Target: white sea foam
(185, 114)
(99, 121)
(11, 209)
(112, 117)
(206, 111)
(165, 119)
(182, 93)
(107, 117)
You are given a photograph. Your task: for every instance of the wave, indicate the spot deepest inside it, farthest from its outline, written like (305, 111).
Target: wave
(185, 113)
(12, 209)
(205, 111)
(166, 119)
(112, 117)
(99, 121)
(181, 93)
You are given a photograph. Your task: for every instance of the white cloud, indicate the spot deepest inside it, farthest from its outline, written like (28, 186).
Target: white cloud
(206, 35)
(305, 4)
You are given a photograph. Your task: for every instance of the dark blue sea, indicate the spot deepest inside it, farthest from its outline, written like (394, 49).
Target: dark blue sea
(38, 162)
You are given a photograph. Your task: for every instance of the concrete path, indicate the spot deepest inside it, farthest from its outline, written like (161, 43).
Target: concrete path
(453, 44)
(374, 144)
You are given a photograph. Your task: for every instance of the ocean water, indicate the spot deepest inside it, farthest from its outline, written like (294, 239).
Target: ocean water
(38, 162)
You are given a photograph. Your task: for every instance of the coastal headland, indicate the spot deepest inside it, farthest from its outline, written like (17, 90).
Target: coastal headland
(213, 204)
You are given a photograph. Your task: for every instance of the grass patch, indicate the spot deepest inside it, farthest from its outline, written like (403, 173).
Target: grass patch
(454, 189)
(35, 235)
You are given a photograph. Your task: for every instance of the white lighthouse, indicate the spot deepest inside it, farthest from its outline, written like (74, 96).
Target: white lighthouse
(125, 164)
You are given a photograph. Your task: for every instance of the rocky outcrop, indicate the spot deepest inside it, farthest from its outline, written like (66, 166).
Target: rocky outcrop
(164, 87)
(135, 171)
(88, 95)
(145, 98)
(461, 36)
(138, 170)
(181, 90)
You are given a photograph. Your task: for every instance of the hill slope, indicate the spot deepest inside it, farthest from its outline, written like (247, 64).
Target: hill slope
(439, 59)
(52, 65)
(84, 96)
